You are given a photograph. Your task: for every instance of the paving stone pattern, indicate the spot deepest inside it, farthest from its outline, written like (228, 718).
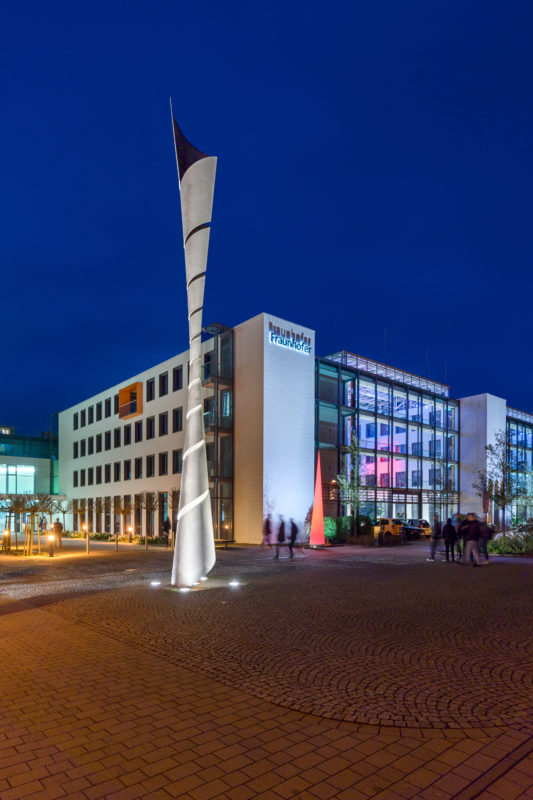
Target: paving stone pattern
(339, 675)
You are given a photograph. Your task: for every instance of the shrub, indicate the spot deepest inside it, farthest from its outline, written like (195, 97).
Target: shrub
(517, 542)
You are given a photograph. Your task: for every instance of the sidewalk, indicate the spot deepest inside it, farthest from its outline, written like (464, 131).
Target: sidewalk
(337, 675)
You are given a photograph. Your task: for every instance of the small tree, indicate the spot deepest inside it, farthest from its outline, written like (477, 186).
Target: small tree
(349, 481)
(499, 481)
(63, 507)
(122, 506)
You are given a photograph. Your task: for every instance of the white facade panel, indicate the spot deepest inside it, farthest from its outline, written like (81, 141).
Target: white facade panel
(288, 419)
(482, 417)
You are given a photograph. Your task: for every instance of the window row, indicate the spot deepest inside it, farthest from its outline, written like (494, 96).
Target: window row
(374, 433)
(344, 388)
(521, 459)
(123, 436)
(403, 473)
(94, 413)
(521, 435)
(128, 469)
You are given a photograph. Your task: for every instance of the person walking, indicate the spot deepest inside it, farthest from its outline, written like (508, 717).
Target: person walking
(166, 531)
(436, 534)
(461, 537)
(450, 537)
(292, 539)
(58, 530)
(484, 539)
(281, 535)
(267, 530)
(457, 525)
(472, 530)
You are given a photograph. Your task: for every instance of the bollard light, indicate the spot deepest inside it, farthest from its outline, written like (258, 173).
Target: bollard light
(51, 542)
(86, 532)
(130, 532)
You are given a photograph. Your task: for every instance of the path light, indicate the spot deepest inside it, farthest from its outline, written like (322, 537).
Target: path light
(234, 583)
(155, 583)
(86, 532)
(130, 532)
(184, 589)
(51, 541)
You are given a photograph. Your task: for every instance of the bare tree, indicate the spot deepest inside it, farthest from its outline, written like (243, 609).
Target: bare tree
(63, 507)
(499, 479)
(123, 507)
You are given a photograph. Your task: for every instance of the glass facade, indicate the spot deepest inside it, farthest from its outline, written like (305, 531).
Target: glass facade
(408, 440)
(520, 444)
(218, 423)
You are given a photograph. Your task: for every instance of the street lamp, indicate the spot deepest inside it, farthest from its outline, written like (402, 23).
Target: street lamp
(86, 532)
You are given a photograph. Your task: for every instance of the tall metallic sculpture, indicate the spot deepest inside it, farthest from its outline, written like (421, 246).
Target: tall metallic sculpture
(194, 555)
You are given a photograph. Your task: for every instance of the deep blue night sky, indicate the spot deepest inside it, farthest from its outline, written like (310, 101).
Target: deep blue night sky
(375, 172)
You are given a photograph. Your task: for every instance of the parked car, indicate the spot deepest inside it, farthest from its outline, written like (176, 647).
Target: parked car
(387, 531)
(418, 529)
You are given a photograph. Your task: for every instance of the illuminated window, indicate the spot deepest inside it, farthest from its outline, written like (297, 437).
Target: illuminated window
(17, 479)
(177, 461)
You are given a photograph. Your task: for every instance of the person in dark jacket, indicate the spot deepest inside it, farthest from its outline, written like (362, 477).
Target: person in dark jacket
(450, 537)
(281, 535)
(485, 537)
(436, 534)
(472, 533)
(292, 538)
(461, 537)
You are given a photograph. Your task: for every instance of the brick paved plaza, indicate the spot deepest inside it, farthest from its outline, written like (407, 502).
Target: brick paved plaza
(350, 673)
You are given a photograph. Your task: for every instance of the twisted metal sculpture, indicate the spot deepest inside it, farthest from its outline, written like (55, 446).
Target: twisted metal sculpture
(194, 555)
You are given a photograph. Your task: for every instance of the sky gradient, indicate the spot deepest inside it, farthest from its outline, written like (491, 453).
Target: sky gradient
(374, 173)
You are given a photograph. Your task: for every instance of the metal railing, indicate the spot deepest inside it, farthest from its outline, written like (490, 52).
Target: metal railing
(384, 371)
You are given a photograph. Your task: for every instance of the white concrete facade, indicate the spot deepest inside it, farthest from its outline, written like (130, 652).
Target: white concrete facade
(482, 416)
(274, 423)
(165, 443)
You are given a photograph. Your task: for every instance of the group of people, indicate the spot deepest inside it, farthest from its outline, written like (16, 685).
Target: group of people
(285, 536)
(466, 538)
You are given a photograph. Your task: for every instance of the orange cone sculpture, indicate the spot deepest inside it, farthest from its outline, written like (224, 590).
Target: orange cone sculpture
(317, 537)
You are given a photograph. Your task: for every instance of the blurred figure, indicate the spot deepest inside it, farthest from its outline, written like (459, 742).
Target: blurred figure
(293, 536)
(458, 522)
(436, 534)
(472, 533)
(166, 531)
(450, 537)
(484, 539)
(281, 535)
(267, 530)
(58, 530)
